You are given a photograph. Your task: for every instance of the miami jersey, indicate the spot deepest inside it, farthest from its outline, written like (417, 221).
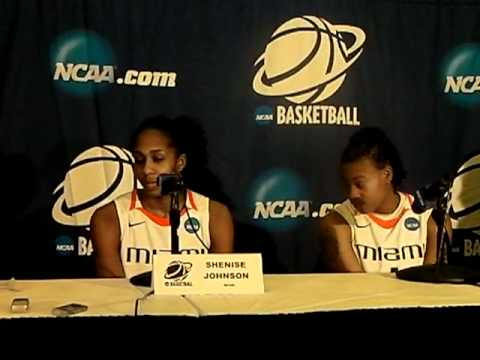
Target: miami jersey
(144, 233)
(385, 243)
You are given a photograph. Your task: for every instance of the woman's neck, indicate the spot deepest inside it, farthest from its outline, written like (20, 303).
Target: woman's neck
(390, 204)
(160, 205)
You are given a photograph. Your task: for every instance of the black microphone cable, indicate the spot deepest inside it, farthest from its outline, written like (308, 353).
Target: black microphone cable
(194, 229)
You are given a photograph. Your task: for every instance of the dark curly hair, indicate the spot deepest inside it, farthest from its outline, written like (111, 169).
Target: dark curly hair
(188, 137)
(374, 143)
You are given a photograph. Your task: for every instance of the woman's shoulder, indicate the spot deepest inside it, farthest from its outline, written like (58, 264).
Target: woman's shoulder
(342, 214)
(333, 218)
(111, 208)
(104, 217)
(106, 210)
(217, 206)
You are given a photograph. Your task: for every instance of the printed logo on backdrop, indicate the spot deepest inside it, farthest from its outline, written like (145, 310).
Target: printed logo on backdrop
(64, 245)
(84, 63)
(306, 62)
(465, 196)
(465, 213)
(279, 200)
(264, 115)
(95, 177)
(460, 75)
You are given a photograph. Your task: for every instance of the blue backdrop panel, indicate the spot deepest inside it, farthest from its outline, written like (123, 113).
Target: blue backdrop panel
(279, 86)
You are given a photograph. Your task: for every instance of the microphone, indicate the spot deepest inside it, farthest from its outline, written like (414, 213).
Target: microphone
(170, 183)
(428, 196)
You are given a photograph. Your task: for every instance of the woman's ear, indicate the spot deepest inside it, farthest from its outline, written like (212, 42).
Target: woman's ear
(181, 163)
(388, 171)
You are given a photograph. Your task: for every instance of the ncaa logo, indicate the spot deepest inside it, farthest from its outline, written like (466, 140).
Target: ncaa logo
(192, 225)
(264, 115)
(277, 200)
(411, 224)
(64, 245)
(460, 75)
(307, 59)
(177, 270)
(96, 177)
(94, 57)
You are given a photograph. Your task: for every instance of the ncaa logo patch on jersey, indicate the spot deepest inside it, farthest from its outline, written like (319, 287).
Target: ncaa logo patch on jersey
(412, 224)
(192, 225)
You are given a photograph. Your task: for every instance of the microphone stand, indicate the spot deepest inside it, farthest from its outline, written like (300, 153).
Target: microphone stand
(439, 215)
(145, 279)
(174, 221)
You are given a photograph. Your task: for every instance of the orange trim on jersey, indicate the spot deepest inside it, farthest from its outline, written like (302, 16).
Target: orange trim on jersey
(410, 198)
(192, 202)
(157, 219)
(386, 224)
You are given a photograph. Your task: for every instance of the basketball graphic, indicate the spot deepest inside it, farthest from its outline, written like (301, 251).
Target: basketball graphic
(177, 270)
(465, 196)
(306, 59)
(96, 177)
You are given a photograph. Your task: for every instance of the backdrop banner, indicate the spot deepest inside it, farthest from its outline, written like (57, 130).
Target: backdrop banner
(279, 86)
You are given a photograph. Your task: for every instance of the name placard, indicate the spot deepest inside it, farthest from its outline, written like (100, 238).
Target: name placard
(207, 274)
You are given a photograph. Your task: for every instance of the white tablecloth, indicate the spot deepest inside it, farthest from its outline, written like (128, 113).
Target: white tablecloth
(284, 294)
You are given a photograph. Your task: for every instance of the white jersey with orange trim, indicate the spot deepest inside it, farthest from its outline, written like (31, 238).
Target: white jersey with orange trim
(385, 243)
(144, 233)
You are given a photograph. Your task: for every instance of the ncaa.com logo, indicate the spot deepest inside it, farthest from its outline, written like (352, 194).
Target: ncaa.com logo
(460, 75)
(279, 200)
(306, 62)
(83, 63)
